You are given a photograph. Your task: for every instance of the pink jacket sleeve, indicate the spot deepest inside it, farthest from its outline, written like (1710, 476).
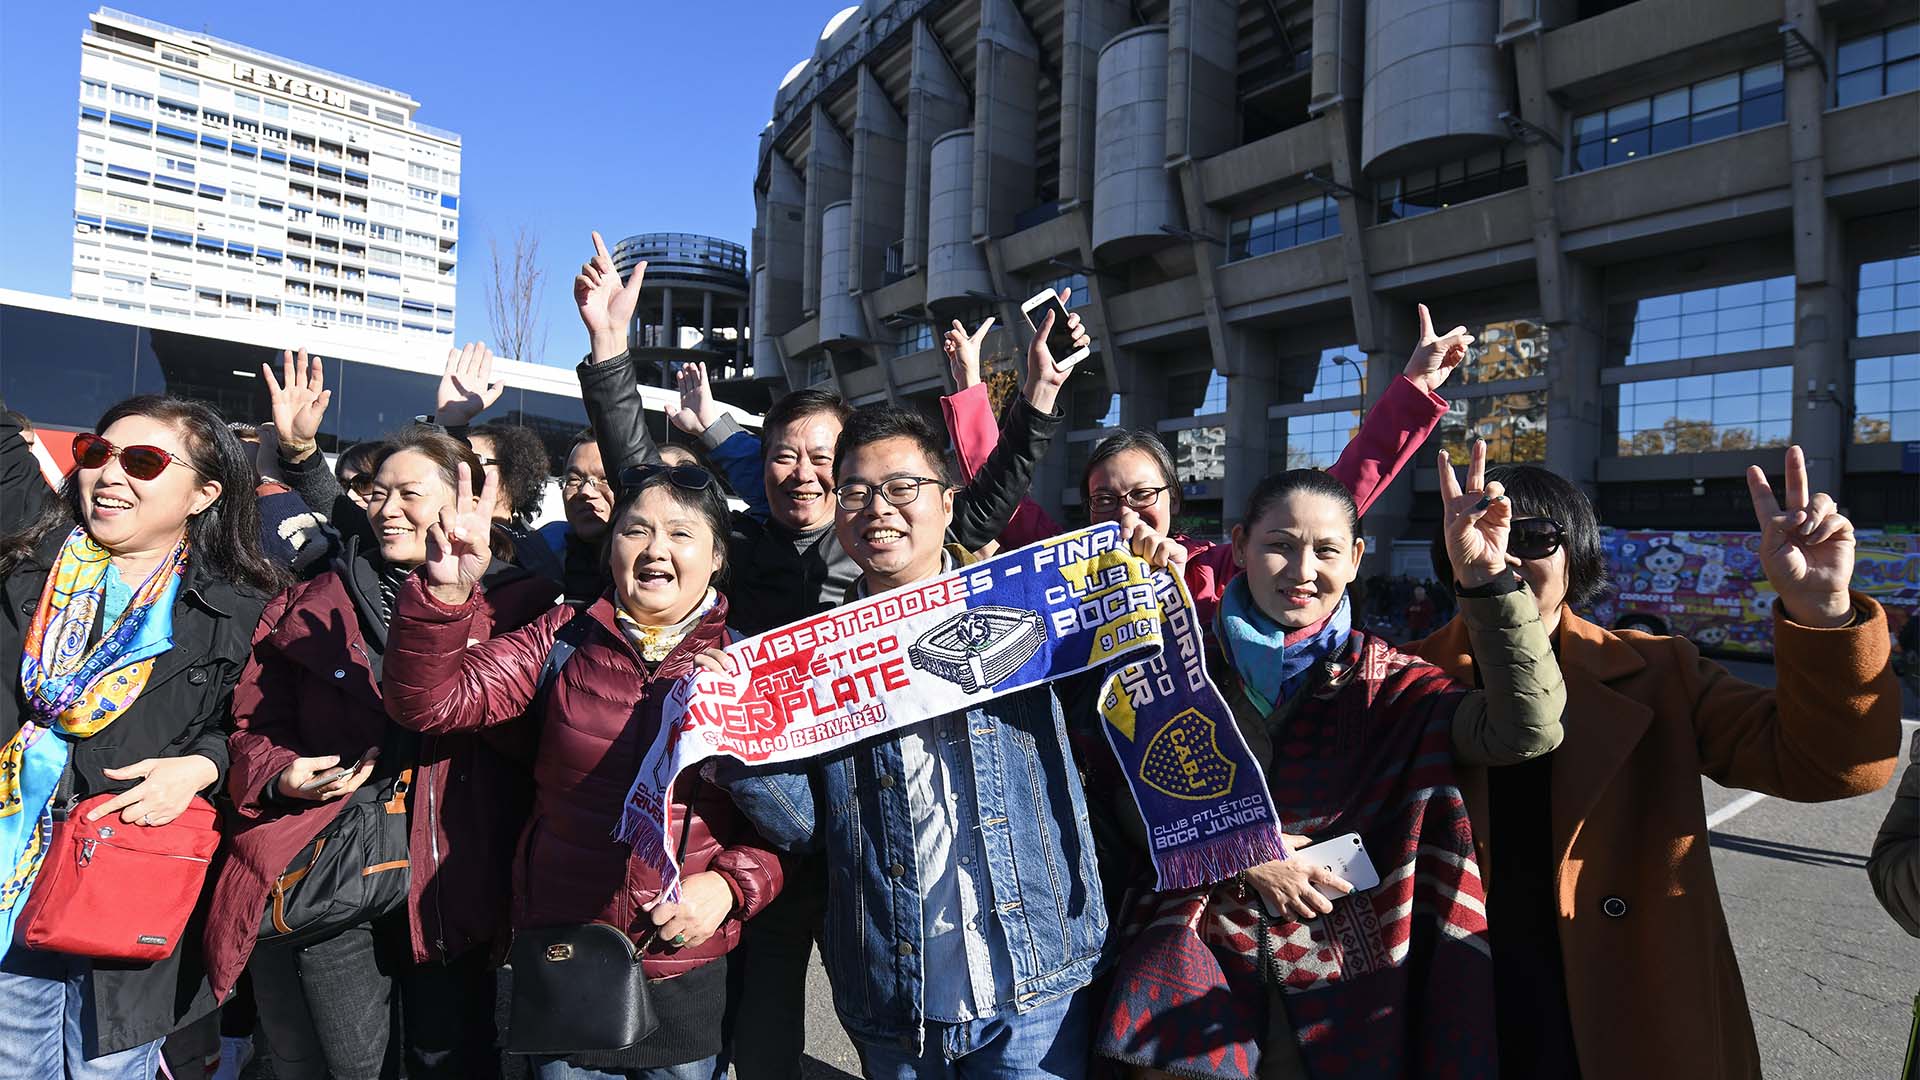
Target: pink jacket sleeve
(970, 421)
(1390, 434)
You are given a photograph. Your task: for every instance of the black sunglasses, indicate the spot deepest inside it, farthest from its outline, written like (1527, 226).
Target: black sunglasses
(1535, 538)
(685, 477)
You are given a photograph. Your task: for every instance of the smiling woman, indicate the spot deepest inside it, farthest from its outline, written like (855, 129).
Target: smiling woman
(129, 602)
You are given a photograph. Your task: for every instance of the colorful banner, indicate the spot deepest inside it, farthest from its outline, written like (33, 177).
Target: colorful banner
(1078, 602)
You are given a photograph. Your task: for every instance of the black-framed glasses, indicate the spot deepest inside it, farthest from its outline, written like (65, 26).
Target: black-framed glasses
(361, 484)
(1105, 502)
(1535, 538)
(575, 482)
(898, 491)
(686, 477)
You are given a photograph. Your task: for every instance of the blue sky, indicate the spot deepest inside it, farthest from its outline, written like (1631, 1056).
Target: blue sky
(626, 117)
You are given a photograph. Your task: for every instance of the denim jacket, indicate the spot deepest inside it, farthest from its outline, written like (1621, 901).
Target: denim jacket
(1033, 833)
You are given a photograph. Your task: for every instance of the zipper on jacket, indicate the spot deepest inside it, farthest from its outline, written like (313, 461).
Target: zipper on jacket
(433, 845)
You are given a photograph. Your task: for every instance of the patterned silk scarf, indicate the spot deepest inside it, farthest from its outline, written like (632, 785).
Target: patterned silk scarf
(73, 691)
(656, 642)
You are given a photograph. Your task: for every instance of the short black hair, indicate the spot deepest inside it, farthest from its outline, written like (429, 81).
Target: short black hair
(361, 457)
(872, 423)
(523, 464)
(1536, 492)
(801, 404)
(1279, 486)
(1147, 443)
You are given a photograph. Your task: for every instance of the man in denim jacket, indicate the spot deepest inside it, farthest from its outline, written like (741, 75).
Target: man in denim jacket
(964, 908)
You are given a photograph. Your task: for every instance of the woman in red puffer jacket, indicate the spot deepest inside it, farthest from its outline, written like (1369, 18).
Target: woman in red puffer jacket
(599, 718)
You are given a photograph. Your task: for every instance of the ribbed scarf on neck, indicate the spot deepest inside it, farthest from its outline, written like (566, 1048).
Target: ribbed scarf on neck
(1271, 660)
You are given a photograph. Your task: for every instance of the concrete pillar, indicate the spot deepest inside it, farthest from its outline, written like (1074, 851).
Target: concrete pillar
(706, 319)
(1087, 27)
(1203, 96)
(879, 183)
(667, 339)
(1252, 385)
(1435, 86)
(1395, 329)
(955, 265)
(1821, 304)
(1339, 52)
(937, 103)
(1006, 84)
(840, 315)
(829, 180)
(780, 240)
(1133, 194)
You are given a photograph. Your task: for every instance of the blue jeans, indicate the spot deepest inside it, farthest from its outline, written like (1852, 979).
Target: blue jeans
(45, 1004)
(1052, 1041)
(558, 1069)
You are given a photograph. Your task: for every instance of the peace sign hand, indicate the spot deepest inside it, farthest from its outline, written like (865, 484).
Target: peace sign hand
(467, 386)
(697, 410)
(1806, 547)
(1435, 357)
(299, 400)
(963, 352)
(1477, 520)
(460, 544)
(606, 305)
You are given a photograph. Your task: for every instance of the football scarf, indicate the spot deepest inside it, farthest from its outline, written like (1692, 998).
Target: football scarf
(1077, 602)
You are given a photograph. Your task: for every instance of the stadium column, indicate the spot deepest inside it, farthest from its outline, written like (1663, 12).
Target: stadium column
(829, 161)
(879, 203)
(1006, 85)
(1571, 301)
(936, 104)
(1381, 328)
(777, 286)
(1822, 386)
(1088, 26)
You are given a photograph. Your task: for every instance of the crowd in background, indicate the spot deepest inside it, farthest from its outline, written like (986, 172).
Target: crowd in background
(417, 709)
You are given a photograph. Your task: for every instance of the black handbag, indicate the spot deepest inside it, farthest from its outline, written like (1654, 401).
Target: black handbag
(357, 869)
(580, 989)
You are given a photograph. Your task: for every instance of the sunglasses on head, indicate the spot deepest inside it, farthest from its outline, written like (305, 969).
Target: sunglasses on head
(1535, 538)
(140, 462)
(685, 477)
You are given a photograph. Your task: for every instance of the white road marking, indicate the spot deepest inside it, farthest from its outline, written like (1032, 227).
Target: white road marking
(1728, 812)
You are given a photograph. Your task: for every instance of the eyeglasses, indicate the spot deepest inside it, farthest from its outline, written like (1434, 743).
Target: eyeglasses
(486, 461)
(685, 477)
(361, 484)
(898, 491)
(140, 462)
(573, 483)
(1139, 498)
(1535, 538)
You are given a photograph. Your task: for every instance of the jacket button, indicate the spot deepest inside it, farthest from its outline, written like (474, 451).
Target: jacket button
(339, 673)
(1613, 907)
(27, 607)
(198, 676)
(886, 780)
(896, 870)
(905, 948)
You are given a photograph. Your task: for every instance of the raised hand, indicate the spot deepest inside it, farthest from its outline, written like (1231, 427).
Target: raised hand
(1435, 357)
(1044, 380)
(1476, 521)
(460, 544)
(697, 410)
(606, 305)
(963, 352)
(299, 399)
(467, 386)
(1806, 546)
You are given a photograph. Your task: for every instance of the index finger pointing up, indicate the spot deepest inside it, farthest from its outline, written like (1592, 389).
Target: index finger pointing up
(1426, 322)
(599, 245)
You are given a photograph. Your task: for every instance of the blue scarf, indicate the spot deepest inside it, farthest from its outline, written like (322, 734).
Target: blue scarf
(1255, 644)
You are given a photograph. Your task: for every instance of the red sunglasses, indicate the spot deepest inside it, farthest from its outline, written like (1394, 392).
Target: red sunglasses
(140, 462)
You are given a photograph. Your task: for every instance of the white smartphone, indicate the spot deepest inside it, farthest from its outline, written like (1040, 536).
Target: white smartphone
(339, 773)
(1346, 856)
(1060, 340)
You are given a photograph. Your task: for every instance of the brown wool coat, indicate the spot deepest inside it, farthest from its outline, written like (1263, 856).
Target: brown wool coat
(1654, 988)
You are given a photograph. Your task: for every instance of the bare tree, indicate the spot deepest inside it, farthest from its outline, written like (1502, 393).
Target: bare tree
(513, 297)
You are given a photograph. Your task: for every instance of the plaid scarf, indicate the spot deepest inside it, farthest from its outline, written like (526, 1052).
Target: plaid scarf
(1398, 981)
(74, 692)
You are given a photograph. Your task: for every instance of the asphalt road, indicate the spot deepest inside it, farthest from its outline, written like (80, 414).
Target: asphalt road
(1829, 977)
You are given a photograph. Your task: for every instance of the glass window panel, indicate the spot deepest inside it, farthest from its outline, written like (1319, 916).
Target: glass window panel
(1906, 394)
(1746, 292)
(1760, 80)
(1903, 41)
(1906, 426)
(1484, 163)
(1590, 154)
(1658, 307)
(1780, 288)
(1731, 341)
(1740, 409)
(1627, 146)
(1776, 380)
(1861, 53)
(1857, 87)
(1713, 125)
(1704, 322)
(1903, 76)
(1736, 382)
(1671, 135)
(1878, 273)
(1715, 93)
(1693, 386)
(1626, 393)
(1761, 111)
(1590, 126)
(1629, 117)
(1696, 410)
(1774, 432)
(1872, 399)
(1776, 406)
(1869, 325)
(1906, 295)
(1906, 320)
(1672, 105)
(1874, 369)
(1654, 352)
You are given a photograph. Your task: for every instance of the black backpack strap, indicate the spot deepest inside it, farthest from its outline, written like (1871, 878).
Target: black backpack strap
(565, 644)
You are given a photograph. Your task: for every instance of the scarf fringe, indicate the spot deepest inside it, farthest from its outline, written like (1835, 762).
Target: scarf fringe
(1219, 857)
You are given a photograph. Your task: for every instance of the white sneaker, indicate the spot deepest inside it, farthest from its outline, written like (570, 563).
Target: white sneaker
(235, 1052)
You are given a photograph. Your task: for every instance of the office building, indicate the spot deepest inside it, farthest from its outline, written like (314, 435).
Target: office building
(1683, 231)
(215, 180)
